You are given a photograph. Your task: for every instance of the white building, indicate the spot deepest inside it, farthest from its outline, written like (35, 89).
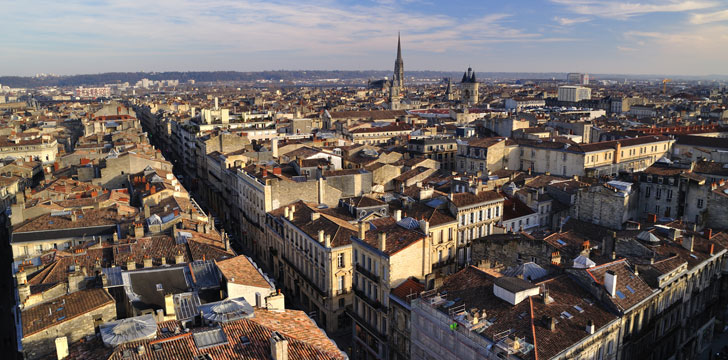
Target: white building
(574, 93)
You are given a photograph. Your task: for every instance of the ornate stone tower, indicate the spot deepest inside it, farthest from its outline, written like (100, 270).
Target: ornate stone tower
(398, 78)
(397, 85)
(469, 86)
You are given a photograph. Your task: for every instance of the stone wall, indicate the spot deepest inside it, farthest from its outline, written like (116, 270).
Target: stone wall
(42, 343)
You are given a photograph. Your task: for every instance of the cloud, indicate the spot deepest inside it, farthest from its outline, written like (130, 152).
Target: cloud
(626, 49)
(623, 10)
(570, 21)
(709, 17)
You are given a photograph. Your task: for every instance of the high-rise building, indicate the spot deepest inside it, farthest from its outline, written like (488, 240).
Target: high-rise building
(577, 78)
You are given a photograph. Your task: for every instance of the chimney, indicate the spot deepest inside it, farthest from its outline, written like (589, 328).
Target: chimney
(397, 215)
(274, 147)
(146, 211)
(73, 216)
(285, 212)
(546, 298)
(315, 216)
(610, 282)
(382, 238)
(275, 302)
(425, 226)
(61, 347)
(75, 280)
(687, 242)
(104, 280)
(278, 346)
(551, 323)
(130, 265)
(258, 300)
(179, 258)
(362, 230)
(164, 260)
(21, 277)
(321, 236)
(590, 327)
(147, 261)
(115, 237)
(328, 241)
(169, 304)
(23, 292)
(291, 212)
(139, 230)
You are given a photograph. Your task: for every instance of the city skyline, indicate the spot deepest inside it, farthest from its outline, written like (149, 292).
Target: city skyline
(665, 37)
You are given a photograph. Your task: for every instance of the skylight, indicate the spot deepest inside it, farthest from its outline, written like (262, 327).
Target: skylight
(630, 289)
(566, 315)
(210, 338)
(561, 242)
(620, 295)
(578, 308)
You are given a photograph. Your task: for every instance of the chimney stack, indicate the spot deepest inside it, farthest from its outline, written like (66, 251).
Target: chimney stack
(146, 211)
(169, 304)
(278, 346)
(551, 323)
(147, 261)
(61, 347)
(130, 265)
(382, 238)
(397, 215)
(328, 241)
(610, 282)
(687, 242)
(590, 327)
(321, 236)
(362, 230)
(179, 258)
(258, 300)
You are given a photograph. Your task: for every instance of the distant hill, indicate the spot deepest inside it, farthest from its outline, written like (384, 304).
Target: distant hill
(300, 75)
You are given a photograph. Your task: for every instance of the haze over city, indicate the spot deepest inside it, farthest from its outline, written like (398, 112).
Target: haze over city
(626, 37)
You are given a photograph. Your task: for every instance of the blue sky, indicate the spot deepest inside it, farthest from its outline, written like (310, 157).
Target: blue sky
(620, 36)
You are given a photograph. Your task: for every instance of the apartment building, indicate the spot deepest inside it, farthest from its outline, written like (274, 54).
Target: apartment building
(386, 253)
(602, 158)
(482, 155)
(477, 314)
(477, 212)
(310, 253)
(441, 149)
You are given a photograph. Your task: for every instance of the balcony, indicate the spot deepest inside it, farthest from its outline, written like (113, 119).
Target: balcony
(367, 273)
(373, 303)
(366, 326)
(444, 263)
(342, 292)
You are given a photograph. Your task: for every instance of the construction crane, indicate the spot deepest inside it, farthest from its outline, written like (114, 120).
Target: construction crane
(664, 85)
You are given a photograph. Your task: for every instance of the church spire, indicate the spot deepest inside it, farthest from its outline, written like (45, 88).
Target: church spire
(399, 48)
(398, 78)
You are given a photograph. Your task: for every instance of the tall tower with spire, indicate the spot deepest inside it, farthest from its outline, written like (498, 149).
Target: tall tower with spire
(397, 85)
(398, 78)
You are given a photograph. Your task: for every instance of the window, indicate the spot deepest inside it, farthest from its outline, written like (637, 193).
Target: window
(647, 191)
(340, 260)
(342, 281)
(669, 194)
(658, 192)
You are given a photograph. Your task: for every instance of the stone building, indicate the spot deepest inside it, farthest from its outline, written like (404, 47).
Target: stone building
(66, 319)
(610, 205)
(482, 155)
(469, 86)
(386, 253)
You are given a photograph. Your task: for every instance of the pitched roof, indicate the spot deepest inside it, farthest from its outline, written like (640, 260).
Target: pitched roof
(239, 270)
(64, 308)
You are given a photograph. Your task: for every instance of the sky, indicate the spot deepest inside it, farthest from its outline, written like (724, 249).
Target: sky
(620, 37)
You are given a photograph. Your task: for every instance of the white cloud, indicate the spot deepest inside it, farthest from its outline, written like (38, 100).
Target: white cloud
(624, 10)
(570, 21)
(709, 17)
